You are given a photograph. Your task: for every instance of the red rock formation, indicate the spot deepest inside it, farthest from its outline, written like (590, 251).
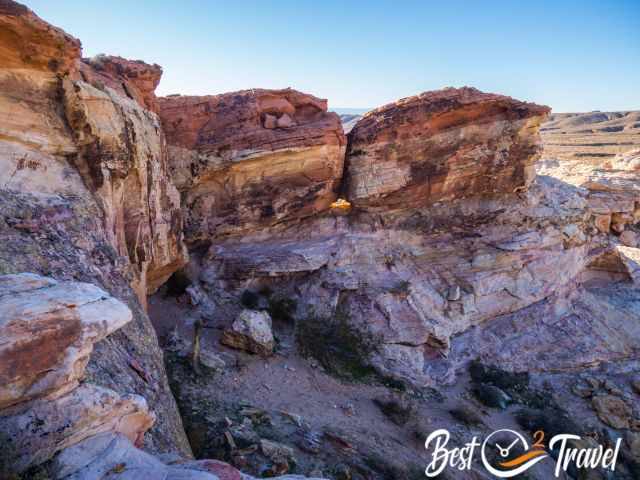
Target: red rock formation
(85, 168)
(442, 145)
(131, 78)
(249, 159)
(115, 144)
(47, 332)
(122, 158)
(27, 41)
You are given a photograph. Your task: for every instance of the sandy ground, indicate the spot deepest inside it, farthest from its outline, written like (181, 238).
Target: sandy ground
(286, 382)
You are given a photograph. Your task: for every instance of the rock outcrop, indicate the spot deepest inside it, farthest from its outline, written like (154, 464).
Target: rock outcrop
(411, 287)
(115, 143)
(46, 427)
(48, 331)
(440, 146)
(122, 159)
(85, 195)
(413, 268)
(248, 160)
(26, 41)
(130, 78)
(443, 248)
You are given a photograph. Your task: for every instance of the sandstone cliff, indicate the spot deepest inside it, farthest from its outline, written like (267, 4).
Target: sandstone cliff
(248, 160)
(85, 195)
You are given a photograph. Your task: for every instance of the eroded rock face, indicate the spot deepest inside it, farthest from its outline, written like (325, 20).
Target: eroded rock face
(47, 332)
(122, 158)
(440, 146)
(414, 284)
(64, 211)
(28, 41)
(247, 160)
(130, 78)
(48, 426)
(116, 145)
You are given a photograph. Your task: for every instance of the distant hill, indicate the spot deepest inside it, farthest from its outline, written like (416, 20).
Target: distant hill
(349, 120)
(590, 137)
(350, 111)
(350, 116)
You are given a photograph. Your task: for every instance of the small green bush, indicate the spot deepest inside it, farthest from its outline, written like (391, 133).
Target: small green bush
(337, 345)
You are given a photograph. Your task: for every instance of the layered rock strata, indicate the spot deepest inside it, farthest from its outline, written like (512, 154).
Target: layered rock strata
(440, 146)
(85, 195)
(477, 239)
(251, 159)
(47, 331)
(122, 159)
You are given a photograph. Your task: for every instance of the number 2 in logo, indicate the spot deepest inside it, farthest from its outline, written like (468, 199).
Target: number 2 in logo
(538, 439)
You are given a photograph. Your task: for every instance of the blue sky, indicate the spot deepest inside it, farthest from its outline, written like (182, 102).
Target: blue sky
(571, 55)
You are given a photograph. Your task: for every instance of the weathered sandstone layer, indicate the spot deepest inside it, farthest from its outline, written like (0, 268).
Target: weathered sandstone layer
(27, 41)
(122, 159)
(475, 238)
(47, 332)
(130, 78)
(440, 146)
(251, 159)
(85, 195)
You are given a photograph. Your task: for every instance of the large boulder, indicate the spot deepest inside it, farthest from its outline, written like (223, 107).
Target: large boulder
(251, 331)
(247, 160)
(442, 145)
(47, 332)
